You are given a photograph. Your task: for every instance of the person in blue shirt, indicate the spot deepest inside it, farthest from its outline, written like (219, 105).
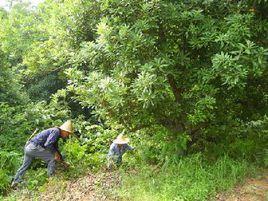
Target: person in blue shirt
(116, 151)
(44, 146)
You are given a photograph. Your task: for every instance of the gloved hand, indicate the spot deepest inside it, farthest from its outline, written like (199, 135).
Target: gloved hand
(58, 157)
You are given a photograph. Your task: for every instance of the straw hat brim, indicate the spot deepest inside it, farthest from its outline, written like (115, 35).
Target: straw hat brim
(121, 141)
(66, 130)
(67, 126)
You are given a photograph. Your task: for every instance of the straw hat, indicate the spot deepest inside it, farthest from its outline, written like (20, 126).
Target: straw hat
(67, 126)
(121, 139)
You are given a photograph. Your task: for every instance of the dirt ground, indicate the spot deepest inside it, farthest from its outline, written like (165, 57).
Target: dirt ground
(253, 189)
(91, 188)
(87, 188)
(102, 188)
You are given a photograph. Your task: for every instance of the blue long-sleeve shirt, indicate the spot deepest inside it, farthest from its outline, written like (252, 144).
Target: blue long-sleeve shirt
(48, 139)
(115, 152)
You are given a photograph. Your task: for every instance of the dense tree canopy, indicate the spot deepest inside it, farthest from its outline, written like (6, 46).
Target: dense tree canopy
(194, 67)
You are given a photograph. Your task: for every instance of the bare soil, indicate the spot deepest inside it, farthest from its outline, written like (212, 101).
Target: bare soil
(253, 189)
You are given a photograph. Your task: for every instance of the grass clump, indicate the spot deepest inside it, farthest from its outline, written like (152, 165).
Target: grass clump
(191, 178)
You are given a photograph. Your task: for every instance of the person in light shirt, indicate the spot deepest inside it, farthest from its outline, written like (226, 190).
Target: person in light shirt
(117, 150)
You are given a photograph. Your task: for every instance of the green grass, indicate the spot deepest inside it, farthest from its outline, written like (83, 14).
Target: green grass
(192, 178)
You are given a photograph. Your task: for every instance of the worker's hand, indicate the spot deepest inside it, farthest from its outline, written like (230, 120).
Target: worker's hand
(58, 157)
(65, 164)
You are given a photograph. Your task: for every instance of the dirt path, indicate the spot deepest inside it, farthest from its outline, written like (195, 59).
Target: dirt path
(254, 189)
(80, 189)
(90, 187)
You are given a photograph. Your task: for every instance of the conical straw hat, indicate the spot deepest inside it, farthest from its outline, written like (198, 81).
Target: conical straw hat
(67, 126)
(121, 139)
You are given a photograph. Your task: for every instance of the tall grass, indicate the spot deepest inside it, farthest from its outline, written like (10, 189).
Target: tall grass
(192, 178)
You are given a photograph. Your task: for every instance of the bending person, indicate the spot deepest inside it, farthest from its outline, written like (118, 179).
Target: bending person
(44, 146)
(117, 149)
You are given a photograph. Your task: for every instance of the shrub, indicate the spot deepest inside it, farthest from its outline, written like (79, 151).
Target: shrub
(8, 165)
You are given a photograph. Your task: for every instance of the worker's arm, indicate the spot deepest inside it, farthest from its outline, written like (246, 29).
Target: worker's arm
(52, 143)
(130, 147)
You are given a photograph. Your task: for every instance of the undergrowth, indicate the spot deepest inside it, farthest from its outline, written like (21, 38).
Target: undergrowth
(191, 178)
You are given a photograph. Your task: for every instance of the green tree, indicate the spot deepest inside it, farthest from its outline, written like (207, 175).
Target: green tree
(194, 67)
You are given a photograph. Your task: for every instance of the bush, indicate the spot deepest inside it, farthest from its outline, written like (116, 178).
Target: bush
(5, 180)
(88, 151)
(9, 163)
(156, 144)
(36, 178)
